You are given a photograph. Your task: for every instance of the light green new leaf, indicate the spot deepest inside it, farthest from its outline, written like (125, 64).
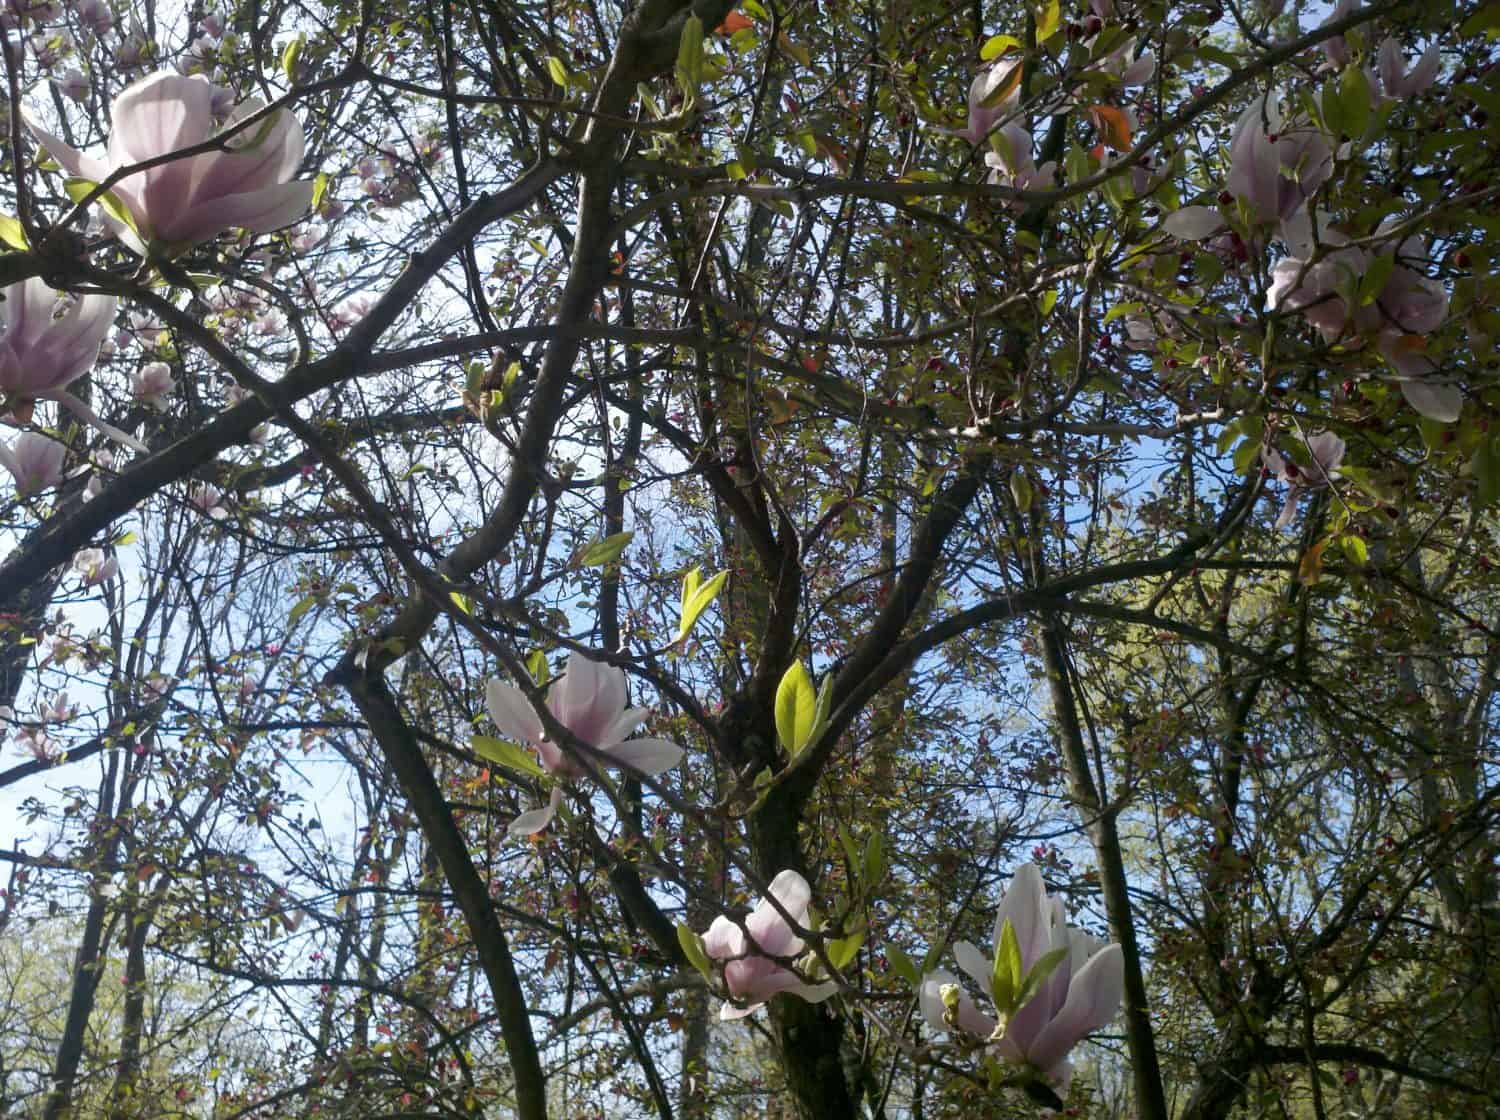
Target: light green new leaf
(80, 189)
(902, 965)
(557, 71)
(1005, 977)
(502, 753)
(462, 601)
(996, 45)
(537, 666)
(842, 951)
(693, 950)
(696, 596)
(302, 607)
(796, 709)
(12, 234)
(689, 68)
(607, 550)
(1033, 981)
(291, 54)
(1048, 20)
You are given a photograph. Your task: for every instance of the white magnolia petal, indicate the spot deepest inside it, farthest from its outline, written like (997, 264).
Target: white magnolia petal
(649, 756)
(512, 712)
(534, 821)
(1194, 223)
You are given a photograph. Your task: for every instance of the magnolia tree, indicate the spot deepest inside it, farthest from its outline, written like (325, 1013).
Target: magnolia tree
(573, 560)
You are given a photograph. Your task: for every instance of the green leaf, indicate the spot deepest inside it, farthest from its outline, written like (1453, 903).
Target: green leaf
(1354, 100)
(1048, 20)
(320, 188)
(874, 869)
(689, 69)
(1355, 548)
(290, 55)
(1047, 302)
(127, 537)
(1372, 283)
(1045, 967)
(1005, 976)
(505, 754)
(557, 71)
(80, 189)
(693, 950)
(462, 601)
(1486, 469)
(1020, 489)
(607, 550)
(696, 597)
(537, 666)
(997, 45)
(301, 608)
(844, 950)
(12, 234)
(902, 965)
(1246, 456)
(796, 709)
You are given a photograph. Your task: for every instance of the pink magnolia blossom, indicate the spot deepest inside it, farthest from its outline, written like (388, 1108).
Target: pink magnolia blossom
(750, 972)
(152, 383)
(1410, 306)
(986, 84)
(42, 354)
(1336, 50)
(1326, 451)
(590, 702)
(95, 15)
(94, 566)
(187, 201)
(1276, 163)
(72, 85)
(1400, 83)
(1012, 164)
(35, 461)
(208, 499)
(1082, 993)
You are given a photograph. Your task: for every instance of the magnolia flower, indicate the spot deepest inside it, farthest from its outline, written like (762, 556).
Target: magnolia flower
(176, 205)
(1409, 306)
(589, 701)
(1326, 451)
(94, 566)
(35, 461)
(1012, 164)
(95, 15)
(134, 48)
(1001, 82)
(208, 500)
(72, 85)
(1336, 50)
(1396, 80)
(750, 973)
(1276, 164)
(1080, 994)
(41, 355)
(151, 384)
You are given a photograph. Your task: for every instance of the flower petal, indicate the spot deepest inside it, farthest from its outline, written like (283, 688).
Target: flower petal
(623, 726)
(1434, 400)
(649, 756)
(724, 940)
(769, 929)
(534, 821)
(1093, 999)
(1025, 905)
(260, 211)
(974, 963)
(1193, 223)
(512, 712)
